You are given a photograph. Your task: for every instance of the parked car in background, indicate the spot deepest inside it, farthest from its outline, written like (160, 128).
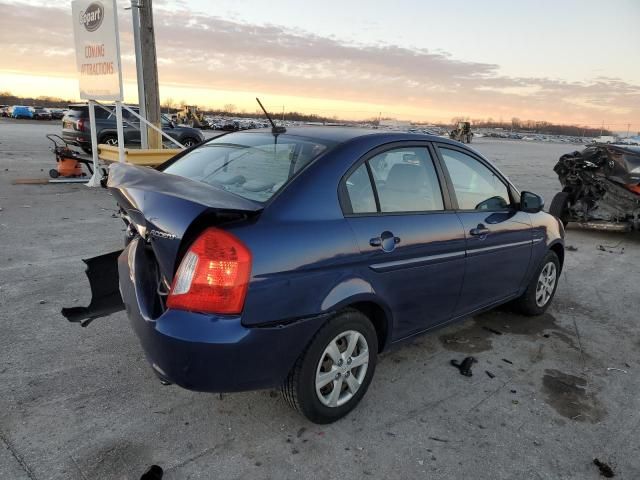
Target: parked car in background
(292, 258)
(41, 113)
(20, 111)
(77, 131)
(56, 113)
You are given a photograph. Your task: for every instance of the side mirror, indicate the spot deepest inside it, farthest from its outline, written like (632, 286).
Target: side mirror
(531, 202)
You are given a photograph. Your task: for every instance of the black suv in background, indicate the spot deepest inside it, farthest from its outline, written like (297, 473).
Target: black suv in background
(41, 113)
(77, 131)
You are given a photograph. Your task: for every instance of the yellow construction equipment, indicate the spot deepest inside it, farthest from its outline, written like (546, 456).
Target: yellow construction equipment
(190, 115)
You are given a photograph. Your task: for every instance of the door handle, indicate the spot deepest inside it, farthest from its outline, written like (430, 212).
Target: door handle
(387, 241)
(479, 231)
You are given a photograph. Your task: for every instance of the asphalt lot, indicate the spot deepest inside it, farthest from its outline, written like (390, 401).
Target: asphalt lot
(81, 403)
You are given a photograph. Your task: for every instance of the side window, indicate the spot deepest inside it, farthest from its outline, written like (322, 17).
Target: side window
(360, 191)
(476, 186)
(101, 113)
(406, 181)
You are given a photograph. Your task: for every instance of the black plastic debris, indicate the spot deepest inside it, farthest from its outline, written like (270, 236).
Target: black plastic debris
(611, 248)
(507, 361)
(154, 472)
(489, 374)
(464, 366)
(605, 470)
(571, 248)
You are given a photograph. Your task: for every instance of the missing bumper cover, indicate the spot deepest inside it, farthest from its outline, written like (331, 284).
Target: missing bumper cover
(102, 272)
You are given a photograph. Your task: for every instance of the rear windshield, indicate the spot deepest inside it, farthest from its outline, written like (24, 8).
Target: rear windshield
(253, 165)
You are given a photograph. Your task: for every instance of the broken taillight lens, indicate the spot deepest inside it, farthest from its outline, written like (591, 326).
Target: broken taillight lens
(213, 276)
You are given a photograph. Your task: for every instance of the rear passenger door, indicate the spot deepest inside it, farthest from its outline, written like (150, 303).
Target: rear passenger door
(498, 234)
(412, 247)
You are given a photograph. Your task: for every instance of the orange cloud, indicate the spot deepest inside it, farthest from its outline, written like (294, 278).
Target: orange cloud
(210, 60)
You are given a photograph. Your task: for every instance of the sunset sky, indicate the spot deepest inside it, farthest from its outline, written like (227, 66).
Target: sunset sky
(561, 61)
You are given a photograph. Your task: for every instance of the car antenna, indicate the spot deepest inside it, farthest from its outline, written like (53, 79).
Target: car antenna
(274, 128)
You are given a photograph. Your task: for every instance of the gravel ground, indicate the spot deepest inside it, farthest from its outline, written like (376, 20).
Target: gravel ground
(83, 404)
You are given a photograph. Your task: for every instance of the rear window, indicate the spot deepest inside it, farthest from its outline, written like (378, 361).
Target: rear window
(83, 112)
(253, 165)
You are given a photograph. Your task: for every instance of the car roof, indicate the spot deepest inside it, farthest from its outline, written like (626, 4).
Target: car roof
(345, 133)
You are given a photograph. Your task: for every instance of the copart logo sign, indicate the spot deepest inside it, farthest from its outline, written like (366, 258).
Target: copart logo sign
(91, 18)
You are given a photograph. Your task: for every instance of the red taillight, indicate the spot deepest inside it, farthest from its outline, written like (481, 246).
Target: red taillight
(634, 188)
(213, 275)
(80, 125)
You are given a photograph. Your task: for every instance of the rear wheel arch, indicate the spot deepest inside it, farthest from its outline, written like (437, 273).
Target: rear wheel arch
(378, 317)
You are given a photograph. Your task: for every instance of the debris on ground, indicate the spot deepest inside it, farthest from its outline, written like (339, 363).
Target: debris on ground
(507, 361)
(611, 248)
(489, 374)
(605, 470)
(492, 330)
(436, 439)
(154, 472)
(464, 366)
(456, 340)
(571, 248)
(616, 369)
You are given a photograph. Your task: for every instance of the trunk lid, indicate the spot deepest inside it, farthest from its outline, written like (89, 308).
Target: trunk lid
(165, 209)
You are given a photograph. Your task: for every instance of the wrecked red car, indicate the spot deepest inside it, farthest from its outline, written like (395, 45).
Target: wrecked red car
(601, 188)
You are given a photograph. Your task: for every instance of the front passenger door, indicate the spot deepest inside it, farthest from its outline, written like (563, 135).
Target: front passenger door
(498, 235)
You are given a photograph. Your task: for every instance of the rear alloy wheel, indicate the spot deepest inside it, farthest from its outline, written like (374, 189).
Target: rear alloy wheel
(334, 372)
(342, 368)
(542, 287)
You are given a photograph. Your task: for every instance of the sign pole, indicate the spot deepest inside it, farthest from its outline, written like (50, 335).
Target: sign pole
(120, 130)
(95, 178)
(97, 45)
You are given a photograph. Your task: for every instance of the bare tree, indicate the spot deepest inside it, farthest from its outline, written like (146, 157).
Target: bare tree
(168, 104)
(229, 108)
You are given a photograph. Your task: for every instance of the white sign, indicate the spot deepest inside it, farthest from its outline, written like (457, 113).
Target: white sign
(95, 30)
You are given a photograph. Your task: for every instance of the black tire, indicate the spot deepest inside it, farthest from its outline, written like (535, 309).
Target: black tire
(53, 173)
(527, 303)
(559, 207)
(299, 389)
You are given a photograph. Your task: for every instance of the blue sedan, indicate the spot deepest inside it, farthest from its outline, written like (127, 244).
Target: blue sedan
(292, 259)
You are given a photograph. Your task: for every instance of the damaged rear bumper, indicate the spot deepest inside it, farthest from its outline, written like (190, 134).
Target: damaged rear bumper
(206, 352)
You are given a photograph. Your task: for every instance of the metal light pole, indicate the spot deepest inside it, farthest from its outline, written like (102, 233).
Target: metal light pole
(135, 13)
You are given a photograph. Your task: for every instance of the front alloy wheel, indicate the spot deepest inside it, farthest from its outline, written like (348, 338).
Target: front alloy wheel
(546, 284)
(332, 375)
(541, 288)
